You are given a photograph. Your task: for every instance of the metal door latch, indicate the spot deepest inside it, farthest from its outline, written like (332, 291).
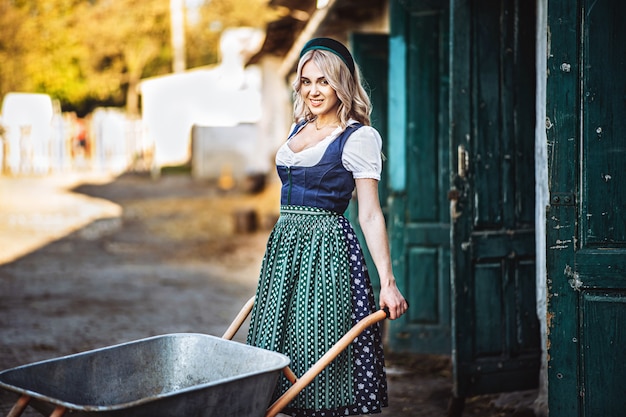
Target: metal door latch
(453, 196)
(462, 161)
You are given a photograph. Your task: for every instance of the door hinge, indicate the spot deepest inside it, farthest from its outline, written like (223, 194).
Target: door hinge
(562, 199)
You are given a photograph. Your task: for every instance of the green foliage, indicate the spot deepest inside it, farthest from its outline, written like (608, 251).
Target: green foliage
(12, 52)
(213, 17)
(127, 37)
(94, 52)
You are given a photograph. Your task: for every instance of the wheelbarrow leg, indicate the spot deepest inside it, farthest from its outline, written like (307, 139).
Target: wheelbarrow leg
(22, 403)
(291, 377)
(19, 406)
(58, 412)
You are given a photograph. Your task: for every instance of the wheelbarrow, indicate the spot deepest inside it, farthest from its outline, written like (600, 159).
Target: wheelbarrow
(172, 375)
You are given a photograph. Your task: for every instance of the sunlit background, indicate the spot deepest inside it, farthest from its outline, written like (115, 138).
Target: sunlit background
(93, 89)
(88, 61)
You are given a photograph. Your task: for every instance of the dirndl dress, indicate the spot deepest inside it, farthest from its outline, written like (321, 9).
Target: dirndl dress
(313, 287)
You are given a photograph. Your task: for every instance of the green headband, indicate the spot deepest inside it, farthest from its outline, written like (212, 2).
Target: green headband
(330, 45)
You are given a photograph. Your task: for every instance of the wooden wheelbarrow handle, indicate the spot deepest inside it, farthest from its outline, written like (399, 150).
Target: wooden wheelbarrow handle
(325, 360)
(300, 383)
(238, 322)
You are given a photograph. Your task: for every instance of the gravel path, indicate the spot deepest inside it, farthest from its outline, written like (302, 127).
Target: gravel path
(88, 261)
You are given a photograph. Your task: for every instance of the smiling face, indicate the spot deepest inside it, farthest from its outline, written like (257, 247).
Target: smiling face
(316, 92)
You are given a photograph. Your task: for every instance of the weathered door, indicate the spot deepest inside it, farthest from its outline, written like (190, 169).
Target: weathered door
(586, 227)
(371, 52)
(418, 219)
(496, 343)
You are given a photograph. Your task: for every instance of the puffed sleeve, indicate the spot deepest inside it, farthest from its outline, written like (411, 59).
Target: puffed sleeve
(362, 153)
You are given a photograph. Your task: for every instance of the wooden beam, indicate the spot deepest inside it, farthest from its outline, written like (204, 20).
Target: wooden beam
(311, 27)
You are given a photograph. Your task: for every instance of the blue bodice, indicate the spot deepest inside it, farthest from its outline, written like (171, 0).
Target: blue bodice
(327, 185)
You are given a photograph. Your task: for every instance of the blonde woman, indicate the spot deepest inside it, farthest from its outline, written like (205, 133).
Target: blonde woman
(314, 285)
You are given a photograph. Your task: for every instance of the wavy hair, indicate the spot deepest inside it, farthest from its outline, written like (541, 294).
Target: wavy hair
(354, 101)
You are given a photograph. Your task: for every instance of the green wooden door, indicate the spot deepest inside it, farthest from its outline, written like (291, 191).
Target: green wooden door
(586, 230)
(496, 343)
(371, 52)
(418, 219)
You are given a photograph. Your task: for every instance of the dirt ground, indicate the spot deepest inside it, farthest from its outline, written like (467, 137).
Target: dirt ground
(88, 261)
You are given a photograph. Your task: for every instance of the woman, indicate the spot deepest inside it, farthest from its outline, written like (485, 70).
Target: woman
(314, 284)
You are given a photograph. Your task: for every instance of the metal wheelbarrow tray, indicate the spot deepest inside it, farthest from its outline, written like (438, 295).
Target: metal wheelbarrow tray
(182, 375)
(173, 375)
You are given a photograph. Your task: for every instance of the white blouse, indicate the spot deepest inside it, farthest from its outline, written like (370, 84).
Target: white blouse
(361, 154)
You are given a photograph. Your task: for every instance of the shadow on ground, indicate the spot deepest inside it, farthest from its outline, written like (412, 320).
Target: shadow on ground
(178, 259)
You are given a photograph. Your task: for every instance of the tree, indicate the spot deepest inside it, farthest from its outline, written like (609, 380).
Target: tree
(128, 37)
(95, 52)
(54, 51)
(12, 51)
(36, 51)
(80, 52)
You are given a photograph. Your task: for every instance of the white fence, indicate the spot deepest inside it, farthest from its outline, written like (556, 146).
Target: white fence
(37, 139)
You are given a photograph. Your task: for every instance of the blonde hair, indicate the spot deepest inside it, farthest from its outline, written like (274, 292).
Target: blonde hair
(354, 102)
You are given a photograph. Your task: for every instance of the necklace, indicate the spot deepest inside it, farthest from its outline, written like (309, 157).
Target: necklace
(324, 126)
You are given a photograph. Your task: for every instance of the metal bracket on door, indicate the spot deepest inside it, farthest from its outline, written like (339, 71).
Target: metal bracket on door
(562, 199)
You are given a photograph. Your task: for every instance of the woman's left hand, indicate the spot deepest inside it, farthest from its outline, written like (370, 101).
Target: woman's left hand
(391, 298)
